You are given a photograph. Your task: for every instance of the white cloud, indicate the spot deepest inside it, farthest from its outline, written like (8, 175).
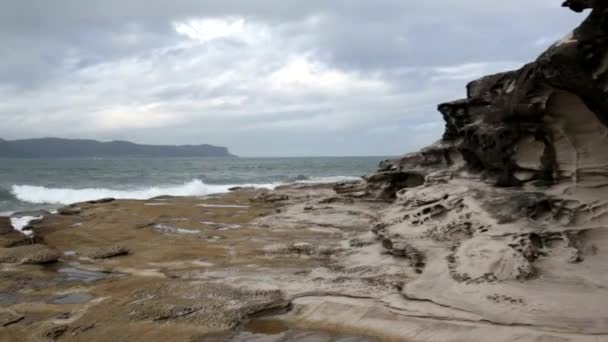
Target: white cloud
(137, 116)
(303, 74)
(202, 78)
(208, 29)
(318, 75)
(471, 71)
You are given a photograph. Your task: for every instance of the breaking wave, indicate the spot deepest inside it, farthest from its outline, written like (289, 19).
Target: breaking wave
(43, 195)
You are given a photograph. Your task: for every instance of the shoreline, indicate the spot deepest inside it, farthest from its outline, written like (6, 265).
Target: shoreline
(302, 254)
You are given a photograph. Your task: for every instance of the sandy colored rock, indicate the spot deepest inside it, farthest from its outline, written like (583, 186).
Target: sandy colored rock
(5, 225)
(510, 219)
(8, 317)
(108, 252)
(10, 237)
(201, 304)
(69, 211)
(102, 200)
(270, 197)
(29, 254)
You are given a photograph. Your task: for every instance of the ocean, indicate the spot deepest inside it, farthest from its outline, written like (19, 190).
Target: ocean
(46, 184)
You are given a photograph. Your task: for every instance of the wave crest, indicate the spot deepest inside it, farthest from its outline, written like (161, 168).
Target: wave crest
(44, 195)
(63, 196)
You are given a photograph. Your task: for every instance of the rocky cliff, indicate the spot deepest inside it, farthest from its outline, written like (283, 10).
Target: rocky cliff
(542, 124)
(506, 217)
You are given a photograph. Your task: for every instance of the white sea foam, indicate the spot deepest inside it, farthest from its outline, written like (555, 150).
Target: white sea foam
(40, 194)
(21, 222)
(196, 187)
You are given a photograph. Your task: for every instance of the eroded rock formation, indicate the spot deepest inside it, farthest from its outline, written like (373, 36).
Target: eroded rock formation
(511, 220)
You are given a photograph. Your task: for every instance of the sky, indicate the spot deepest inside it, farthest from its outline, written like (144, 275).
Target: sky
(263, 77)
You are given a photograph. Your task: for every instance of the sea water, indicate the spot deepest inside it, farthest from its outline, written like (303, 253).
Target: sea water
(46, 184)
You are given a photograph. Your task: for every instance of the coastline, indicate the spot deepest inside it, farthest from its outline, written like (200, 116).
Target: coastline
(295, 261)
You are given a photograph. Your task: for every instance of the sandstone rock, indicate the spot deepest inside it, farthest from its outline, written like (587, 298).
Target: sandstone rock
(270, 197)
(13, 239)
(513, 198)
(202, 303)
(352, 188)
(386, 184)
(547, 117)
(30, 254)
(69, 211)
(102, 200)
(303, 248)
(10, 237)
(9, 317)
(109, 252)
(336, 199)
(55, 332)
(5, 225)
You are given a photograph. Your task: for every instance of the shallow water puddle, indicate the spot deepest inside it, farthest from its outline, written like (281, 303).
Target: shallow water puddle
(72, 298)
(221, 226)
(85, 276)
(173, 230)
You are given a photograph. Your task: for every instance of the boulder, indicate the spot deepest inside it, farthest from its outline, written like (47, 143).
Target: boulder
(102, 200)
(270, 197)
(109, 252)
(69, 211)
(29, 254)
(5, 225)
(10, 237)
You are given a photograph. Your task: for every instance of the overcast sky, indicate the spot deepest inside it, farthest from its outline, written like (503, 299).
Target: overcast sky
(262, 77)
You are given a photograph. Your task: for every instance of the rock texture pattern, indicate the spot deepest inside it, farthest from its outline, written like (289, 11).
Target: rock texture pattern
(507, 216)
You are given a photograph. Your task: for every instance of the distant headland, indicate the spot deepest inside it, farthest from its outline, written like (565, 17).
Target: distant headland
(81, 148)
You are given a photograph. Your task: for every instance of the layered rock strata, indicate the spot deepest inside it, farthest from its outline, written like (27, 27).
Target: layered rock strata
(510, 221)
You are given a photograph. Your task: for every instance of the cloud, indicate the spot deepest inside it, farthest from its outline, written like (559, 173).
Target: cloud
(471, 71)
(320, 77)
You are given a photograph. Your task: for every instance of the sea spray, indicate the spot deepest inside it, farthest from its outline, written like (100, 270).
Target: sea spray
(41, 194)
